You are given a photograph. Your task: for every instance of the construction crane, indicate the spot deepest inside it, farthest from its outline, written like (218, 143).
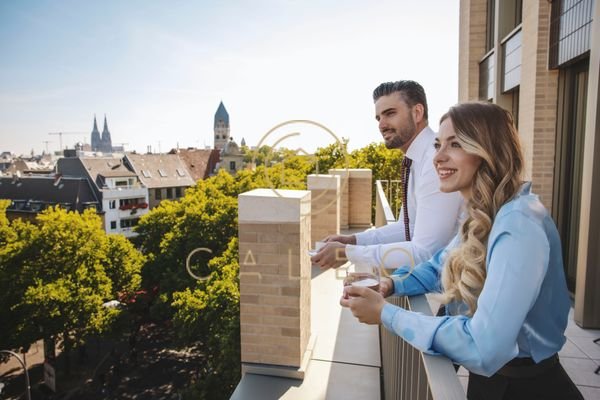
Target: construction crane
(64, 133)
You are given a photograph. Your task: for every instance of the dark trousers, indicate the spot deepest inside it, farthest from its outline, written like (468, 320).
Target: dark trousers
(553, 383)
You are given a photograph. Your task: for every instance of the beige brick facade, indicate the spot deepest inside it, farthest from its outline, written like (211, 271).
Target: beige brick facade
(471, 47)
(325, 206)
(274, 277)
(538, 100)
(344, 200)
(359, 196)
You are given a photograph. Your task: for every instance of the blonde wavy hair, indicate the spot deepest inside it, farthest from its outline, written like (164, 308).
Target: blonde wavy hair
(488, 131)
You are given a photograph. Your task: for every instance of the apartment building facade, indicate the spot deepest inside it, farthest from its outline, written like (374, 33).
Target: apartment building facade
(541, 60)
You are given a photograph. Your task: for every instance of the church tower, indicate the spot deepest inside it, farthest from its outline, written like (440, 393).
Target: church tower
(96, 141)
(106, 140)
(221, 127)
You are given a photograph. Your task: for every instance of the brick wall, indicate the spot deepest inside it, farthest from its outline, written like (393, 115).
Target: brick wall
(274, 235)
(325, 206)
(359, 198)
(538, 100)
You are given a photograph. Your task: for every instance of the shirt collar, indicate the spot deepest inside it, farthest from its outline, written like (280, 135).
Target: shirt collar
(423, 142)
(525, 189)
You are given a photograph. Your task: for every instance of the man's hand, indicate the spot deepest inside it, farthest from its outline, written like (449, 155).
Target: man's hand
(332, 255)
(345, 239)
(386, 286)
(364, 303)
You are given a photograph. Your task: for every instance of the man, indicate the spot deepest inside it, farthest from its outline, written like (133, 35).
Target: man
(432, 216)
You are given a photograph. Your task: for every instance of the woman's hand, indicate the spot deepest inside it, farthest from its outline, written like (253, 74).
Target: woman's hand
(386, 286)
(364, 303)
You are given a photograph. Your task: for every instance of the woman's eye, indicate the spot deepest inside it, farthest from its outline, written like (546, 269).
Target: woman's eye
(436, 146)
(456, 145)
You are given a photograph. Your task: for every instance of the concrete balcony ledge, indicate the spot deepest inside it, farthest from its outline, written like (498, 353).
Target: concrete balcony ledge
(345, 362)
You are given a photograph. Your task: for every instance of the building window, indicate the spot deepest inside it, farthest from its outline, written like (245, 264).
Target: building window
(232, 165)
(158, 194)
(112, 204)
(113, 225)
(162, 173)
(169, 193)
(146, 173)
(180, 172)
(490, 25)
(570, 31)
(178, 192)
(129, 223)
(568, 165)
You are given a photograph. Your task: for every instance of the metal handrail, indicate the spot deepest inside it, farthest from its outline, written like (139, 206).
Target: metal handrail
(407, 372)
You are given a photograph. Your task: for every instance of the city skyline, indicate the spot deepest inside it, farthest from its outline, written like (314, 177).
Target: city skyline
(158, 72)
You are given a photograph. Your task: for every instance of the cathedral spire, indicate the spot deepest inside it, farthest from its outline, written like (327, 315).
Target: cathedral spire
(106, 140)
(221, 127)
(96, 141)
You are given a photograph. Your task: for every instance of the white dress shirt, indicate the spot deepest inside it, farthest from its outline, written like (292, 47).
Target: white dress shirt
(433, 216)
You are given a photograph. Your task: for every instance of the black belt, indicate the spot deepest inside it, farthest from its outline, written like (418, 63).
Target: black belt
(526, 367)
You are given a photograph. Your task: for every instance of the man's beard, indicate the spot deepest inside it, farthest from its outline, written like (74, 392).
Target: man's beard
(406, 133)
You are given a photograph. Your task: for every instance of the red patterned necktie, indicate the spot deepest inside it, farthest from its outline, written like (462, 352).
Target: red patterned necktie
(405, 172)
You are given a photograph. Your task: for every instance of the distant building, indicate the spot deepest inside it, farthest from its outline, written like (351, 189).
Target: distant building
(30, 195)
(123, 198)
(221, 127)
(102, 143)
(232, 159)
(6, 159)
(37, 165)
(165, 175)
(201, 163)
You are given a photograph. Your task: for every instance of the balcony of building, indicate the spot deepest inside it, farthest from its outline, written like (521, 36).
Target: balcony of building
(299, 343)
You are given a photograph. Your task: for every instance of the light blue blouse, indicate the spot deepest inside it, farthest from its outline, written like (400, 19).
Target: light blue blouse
(522, 310)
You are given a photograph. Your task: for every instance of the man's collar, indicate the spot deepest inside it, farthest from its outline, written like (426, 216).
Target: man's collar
(422, 142)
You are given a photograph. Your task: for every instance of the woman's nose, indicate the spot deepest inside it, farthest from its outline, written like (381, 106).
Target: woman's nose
(440, 155)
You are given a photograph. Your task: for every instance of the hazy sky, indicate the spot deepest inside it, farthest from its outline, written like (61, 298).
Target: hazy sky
(158, 69)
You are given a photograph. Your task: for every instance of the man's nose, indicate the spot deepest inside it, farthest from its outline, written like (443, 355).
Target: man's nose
(382, 125)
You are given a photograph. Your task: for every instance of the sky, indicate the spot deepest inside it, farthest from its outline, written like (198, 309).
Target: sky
(158, 69)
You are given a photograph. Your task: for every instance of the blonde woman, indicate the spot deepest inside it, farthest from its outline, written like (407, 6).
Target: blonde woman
(501, 277)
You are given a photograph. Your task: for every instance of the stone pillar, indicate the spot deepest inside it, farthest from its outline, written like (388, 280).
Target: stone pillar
(275, 272)
(325, 206)
(539, 98)
(343, 174)
(471, 47)
(359, 198)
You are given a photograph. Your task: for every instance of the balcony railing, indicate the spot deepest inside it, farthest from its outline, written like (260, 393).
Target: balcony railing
(408, 373)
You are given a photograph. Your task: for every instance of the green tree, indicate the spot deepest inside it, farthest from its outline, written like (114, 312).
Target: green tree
(206, 217)
(56, 275)
(210, 311)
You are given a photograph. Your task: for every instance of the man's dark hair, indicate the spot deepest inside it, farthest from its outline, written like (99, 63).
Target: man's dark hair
(412, 93)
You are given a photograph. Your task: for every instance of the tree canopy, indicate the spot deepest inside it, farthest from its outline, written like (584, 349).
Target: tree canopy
(56, 274)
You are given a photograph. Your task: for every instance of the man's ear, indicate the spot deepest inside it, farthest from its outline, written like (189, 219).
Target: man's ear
(418, 112)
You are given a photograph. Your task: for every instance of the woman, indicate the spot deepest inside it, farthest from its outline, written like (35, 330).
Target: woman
(501, 277)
